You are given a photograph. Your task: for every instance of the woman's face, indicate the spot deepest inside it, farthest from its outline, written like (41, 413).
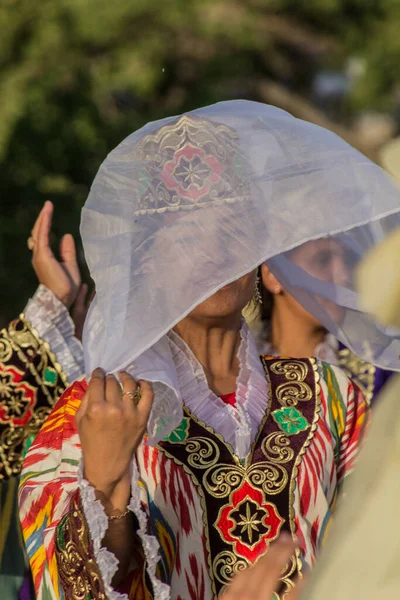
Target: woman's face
(327, 260)
(229, 300)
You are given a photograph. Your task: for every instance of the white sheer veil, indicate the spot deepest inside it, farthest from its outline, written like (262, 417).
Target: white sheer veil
(187, 204)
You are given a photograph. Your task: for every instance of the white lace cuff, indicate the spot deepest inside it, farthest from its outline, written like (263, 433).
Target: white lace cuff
(53, 323)
(97, 521)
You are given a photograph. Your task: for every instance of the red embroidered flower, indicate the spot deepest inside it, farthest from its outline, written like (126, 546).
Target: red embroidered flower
(249, 522)
(192, 173)
(17, 398)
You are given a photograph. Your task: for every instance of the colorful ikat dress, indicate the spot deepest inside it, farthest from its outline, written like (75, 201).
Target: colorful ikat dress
(201, 512)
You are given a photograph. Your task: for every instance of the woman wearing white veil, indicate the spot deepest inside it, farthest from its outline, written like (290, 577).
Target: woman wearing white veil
(237, 449)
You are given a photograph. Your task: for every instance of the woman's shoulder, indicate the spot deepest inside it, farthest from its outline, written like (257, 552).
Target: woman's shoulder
(341, 398)
(335, 379)
(329, 370)
(310, 377)
(297, 369)
(337, 392)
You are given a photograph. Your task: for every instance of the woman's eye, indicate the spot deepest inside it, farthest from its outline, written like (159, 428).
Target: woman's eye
(323, 259)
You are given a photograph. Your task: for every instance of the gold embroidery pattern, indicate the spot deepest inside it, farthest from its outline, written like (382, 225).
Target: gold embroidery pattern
(296, 563)
(79, 574)
(360, 371)
(189, 163)
(297, 371)
(226, 565)
(292, 370)
(270, 475)
(31, 381)
(202, 453)
(294, 390)
(240, 495)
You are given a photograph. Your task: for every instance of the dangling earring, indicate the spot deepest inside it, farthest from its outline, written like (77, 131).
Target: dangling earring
(257, 292)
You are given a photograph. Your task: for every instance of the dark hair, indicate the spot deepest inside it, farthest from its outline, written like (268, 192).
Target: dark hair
(267, 306)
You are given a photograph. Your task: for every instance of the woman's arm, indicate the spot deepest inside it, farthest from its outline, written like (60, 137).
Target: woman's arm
(111, 423)
(32, 381)
(120, 536)
(71, 542)
(76, 559)
(59, 289)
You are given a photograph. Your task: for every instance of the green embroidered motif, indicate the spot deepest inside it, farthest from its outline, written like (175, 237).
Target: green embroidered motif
(50, 376)
(60, 532)
(290, 420)
(28, 443)
(179, 435)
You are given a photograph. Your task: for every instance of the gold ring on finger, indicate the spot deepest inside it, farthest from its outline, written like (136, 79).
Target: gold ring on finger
(31, 243)
(135, 395)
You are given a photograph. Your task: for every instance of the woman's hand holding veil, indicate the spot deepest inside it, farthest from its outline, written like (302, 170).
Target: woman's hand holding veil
(111, 423)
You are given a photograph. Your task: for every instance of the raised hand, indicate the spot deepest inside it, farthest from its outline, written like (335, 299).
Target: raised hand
(61, 277)
(262, 580)
(111, 424)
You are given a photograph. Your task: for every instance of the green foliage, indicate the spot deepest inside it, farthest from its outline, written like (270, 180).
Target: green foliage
(77, 76)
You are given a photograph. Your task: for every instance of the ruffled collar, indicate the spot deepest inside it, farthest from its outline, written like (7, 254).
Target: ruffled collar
(238, 425)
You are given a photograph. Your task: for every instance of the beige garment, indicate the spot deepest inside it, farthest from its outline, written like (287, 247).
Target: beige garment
(379, 281)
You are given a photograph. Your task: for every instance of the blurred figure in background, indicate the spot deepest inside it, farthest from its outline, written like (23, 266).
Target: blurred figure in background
(40, 352)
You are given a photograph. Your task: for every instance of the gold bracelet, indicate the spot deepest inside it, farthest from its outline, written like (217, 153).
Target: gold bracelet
(121, 516)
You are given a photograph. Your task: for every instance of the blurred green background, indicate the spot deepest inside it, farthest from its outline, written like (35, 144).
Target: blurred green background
(77, 76)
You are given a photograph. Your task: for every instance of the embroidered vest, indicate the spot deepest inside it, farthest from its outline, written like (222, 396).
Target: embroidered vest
(248, 503)
(31, 381)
